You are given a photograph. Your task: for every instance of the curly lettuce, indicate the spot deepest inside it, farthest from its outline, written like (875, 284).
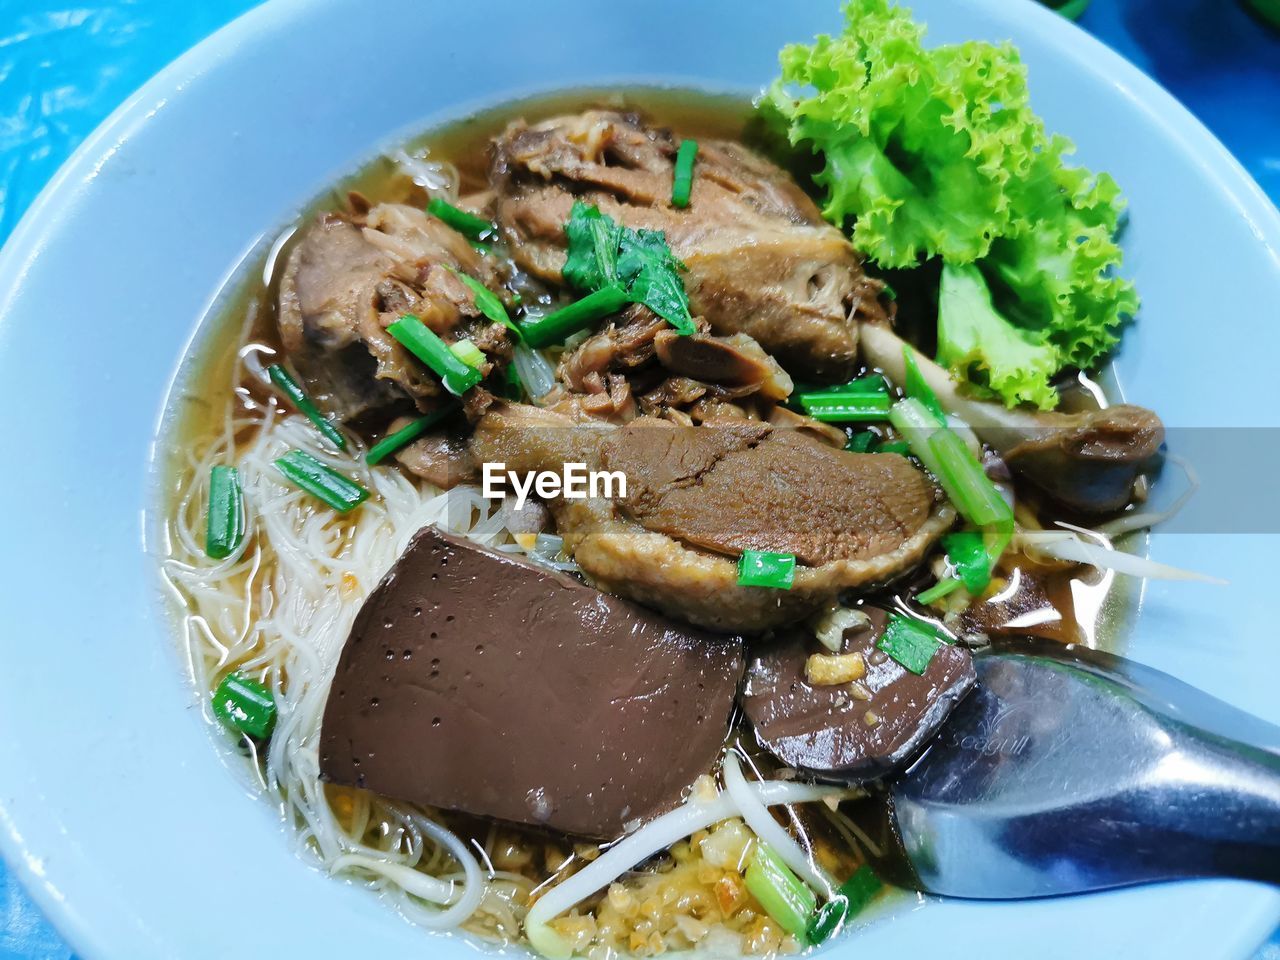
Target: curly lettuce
(975, 342)
(937, 153)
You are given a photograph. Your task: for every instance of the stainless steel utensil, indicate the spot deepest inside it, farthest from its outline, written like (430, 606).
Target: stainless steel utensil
(1070, 770)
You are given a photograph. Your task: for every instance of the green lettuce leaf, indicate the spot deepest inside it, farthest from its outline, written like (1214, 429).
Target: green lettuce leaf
(937, 153)
(979, 345)
(1057, 264)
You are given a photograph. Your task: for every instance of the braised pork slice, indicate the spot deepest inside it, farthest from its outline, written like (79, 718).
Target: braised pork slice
(348, 278)
(760, 258)
(858, 729)
(478, 682)
(775, 490)
(698, 496)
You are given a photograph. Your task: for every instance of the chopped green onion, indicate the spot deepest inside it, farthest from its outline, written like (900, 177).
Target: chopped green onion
(945, 455)
(780, 892)
(405, 435)
(487, 302)
(414, 335)
(943, 588)
(483, 249)
(852, 898)
(834, 406)
(556, 326)
(225, 527)
(913, 420)
(889, 292)
(997, 539)
(863, 399)
(759, 568)
(307, 473)
(967, 552)
(861, 442)
(682, 179)
(291, 389)
(245, 705)
(466, 351)
(968, 486)
(909, 642)
(860, 386)
(918, 388)
(466, 223)
(514, 388)
(865, 441)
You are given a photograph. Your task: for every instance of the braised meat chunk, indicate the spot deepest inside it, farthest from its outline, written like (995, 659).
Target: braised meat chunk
(698, 496)
(348, 278)
(760, 258)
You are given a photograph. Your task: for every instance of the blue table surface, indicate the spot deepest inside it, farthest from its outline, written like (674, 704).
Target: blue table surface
(64, 66)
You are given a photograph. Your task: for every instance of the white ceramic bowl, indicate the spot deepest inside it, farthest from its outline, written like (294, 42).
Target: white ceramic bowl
(116, 810)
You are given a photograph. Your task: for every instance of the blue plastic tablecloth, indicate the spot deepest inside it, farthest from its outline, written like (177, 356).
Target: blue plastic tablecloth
(64, 66)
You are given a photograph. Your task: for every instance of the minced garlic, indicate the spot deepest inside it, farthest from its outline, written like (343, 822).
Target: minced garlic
(823, 670)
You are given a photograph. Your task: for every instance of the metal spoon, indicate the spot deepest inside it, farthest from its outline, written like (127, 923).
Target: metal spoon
(1070, 770)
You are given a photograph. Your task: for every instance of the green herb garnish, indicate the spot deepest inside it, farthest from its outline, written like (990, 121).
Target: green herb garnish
(554, 327)
(487, 302)
(415, 337)
(406, 435)
(293, 390)
(466, 351)
(307, 473)
(780, 892)
(852, 898)
(682, 176)
(909, 642)
(245, 705)
(760, 568)
(602, 254)
(224, 529)
(967, 553)
(943, 588)
(861, 442)
(466, 223)
(835, 406)
(918, 388)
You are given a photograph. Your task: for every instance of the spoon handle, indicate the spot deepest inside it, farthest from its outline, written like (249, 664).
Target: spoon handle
(1226, 797)
(1069, 770)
